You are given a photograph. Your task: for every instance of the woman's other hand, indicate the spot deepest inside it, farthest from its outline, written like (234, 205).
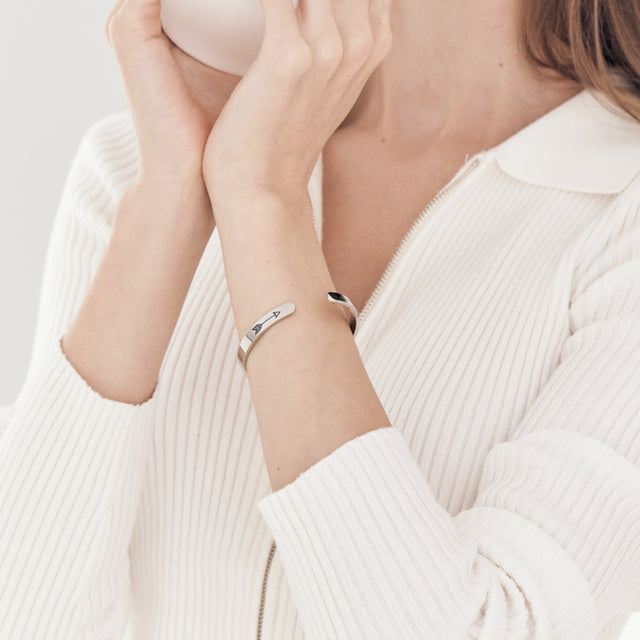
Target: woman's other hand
(175, 100)
(313, 64)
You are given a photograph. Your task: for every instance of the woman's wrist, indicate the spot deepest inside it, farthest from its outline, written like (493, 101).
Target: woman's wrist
(177, 204)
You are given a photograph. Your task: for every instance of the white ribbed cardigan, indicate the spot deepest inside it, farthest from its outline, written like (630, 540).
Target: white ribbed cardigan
(503, 502)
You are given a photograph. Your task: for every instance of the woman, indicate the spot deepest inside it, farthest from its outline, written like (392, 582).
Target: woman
(468, 463)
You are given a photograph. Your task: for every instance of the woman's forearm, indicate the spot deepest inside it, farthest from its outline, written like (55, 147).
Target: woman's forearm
(120, 334)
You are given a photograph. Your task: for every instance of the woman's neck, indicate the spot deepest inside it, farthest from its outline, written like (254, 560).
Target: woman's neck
(455, 73)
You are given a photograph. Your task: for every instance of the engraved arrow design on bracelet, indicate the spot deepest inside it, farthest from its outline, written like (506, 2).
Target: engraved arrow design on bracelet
(257, 327)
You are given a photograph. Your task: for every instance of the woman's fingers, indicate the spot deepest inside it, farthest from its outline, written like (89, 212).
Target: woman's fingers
(283, 48)
(366, 40)
(338, 38)
(320, 30)
(280, 21)
(136, 21)
(354, 23)
(347, 37)
(381, 25)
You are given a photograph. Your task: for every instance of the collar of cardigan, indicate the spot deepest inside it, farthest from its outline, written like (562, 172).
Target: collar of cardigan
(585, 144)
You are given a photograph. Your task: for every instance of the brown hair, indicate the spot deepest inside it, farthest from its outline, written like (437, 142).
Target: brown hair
(593, 42)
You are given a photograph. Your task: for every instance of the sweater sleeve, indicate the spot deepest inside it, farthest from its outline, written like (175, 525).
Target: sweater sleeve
(70, 469)
(550, 548)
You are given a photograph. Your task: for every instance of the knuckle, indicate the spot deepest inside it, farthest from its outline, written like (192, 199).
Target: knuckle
(295, 62)
(329, 53)
(360, 46)
(384, 42)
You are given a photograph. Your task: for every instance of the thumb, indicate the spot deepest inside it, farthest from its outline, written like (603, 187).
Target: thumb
(141, 17)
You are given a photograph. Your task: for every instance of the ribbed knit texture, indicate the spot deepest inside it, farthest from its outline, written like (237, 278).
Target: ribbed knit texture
(503, 502)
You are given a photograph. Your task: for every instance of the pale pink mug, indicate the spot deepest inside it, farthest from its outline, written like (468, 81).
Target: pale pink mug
(223, 34)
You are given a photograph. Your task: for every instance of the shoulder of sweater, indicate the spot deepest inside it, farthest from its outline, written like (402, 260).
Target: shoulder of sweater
(630, 195)
(624, 211)
(612, 238)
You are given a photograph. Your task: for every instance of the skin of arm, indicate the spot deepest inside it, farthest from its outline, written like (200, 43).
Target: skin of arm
(120, 334)
(310, 389)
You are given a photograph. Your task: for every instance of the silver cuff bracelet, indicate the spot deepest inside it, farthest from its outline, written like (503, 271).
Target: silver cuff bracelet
(282, 311)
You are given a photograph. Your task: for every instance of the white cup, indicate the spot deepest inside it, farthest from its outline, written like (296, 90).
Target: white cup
(223, 34)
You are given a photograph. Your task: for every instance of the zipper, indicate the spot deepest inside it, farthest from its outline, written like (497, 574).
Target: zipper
(446, 190)
(264, 588)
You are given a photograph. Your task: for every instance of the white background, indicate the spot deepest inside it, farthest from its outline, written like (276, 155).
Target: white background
(58, 75)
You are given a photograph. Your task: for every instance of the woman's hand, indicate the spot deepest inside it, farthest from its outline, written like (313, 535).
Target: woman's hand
(314, 61)
(175, 100)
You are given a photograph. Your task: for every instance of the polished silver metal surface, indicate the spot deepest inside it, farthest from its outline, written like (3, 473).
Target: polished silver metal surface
(282, 311)
(257, 329)
(338, 298)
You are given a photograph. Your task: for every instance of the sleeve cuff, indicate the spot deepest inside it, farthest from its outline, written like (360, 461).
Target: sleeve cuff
(370, 553)
(361, 537)
(70, 477)
(55, 370)
(555, 588)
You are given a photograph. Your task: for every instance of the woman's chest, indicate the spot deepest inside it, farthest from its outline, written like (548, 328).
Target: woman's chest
(367, 210)
(358, 250)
